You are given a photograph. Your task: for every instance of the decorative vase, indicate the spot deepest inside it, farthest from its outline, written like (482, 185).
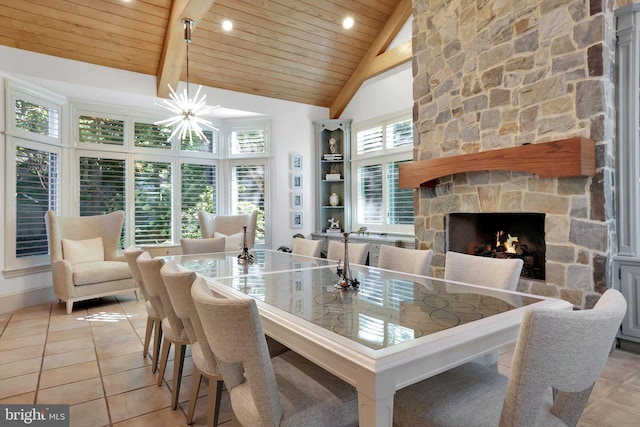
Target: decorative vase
(334, 199)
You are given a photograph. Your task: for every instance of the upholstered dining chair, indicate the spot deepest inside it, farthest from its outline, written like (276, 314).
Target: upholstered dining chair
(202, 246)
(405, 260)
(84, 259)
(306, 247)
(358, 252)
(155, 313)
(172, 327)
(502, 273)
(231, 227)
(284, 390)
(178, 284)
(558, 357)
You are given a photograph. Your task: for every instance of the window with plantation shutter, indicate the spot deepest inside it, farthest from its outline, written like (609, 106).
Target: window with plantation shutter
(248, 141)
(151, 135)
(380, 146)
(102, 188)
(100, 130)
(248, 193)
(153, 202)
(370, 199)
(399, 200)
(35, 118)
(36, 192)
(32, 166)
(198, 192)
(369, 140)
(202, 146)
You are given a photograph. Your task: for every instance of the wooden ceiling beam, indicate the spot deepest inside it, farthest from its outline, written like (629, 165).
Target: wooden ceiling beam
(174, 48)
(376, 53)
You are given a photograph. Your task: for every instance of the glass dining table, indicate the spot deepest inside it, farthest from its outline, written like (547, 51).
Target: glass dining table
(394, 330)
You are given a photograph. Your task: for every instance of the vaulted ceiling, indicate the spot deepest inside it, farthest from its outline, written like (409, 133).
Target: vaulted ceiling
(294, 50)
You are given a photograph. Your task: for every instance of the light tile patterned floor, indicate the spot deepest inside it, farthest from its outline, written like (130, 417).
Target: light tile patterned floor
(93, 361)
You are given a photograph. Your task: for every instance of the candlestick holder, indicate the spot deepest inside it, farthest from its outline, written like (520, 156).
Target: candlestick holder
(245, 257)
(347, 281)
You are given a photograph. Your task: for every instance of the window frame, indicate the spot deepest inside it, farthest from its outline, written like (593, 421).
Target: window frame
(16, 137)
(382, 157)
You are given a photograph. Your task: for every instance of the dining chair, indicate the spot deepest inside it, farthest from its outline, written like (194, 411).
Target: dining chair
(358, 252)
(172, 327)
(178, 284)
(280, 391)
(306, 247)
(202, 246)
(558, 357)
(231, 227)
(155, 313)
(501, 273)
(405, 260)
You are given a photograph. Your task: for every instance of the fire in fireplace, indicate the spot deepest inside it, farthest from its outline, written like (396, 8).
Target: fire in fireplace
(500, 235)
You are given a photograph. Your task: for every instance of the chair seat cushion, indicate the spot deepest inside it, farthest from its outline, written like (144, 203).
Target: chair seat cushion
(469, 395)
(89, 273)
(309, 395)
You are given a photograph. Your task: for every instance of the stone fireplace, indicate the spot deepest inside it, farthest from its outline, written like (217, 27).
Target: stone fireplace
(498, 74)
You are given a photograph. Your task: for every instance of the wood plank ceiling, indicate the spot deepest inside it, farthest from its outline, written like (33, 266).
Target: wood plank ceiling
(294, 50)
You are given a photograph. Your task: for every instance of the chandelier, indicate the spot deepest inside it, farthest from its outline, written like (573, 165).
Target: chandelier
(188, 112)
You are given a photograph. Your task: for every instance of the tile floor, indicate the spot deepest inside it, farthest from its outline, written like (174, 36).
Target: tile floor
(93, 361)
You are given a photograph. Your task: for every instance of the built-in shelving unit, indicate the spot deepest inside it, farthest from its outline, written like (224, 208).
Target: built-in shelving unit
(332, 147)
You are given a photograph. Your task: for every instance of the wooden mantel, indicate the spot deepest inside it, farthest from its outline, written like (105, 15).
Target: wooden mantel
(555, 159)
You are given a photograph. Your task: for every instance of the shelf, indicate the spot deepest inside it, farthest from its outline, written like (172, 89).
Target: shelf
(332, 207)
(554, 159)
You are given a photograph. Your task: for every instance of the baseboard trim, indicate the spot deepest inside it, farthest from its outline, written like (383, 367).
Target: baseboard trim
(18, 300)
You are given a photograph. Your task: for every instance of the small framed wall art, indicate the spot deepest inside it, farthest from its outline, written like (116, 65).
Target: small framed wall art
(296, 219)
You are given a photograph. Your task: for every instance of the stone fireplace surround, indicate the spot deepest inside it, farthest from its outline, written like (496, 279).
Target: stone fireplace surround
(494, 74)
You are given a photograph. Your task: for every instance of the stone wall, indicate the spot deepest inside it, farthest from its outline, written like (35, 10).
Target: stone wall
(493, 74)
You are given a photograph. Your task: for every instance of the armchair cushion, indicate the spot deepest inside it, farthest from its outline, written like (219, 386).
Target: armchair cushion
(89, 273)
(232, 242)
(79, 251)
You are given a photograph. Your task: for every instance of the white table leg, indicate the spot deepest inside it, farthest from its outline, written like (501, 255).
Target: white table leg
(375, 412)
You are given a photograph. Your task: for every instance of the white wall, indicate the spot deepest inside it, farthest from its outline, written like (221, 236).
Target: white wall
(291, 132)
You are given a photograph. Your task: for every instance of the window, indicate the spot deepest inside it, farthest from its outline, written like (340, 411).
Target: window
(198, 192)
(380, 146)
(163, 184)
(32, 174)
(153, 210)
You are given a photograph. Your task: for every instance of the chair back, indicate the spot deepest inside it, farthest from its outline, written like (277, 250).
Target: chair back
(150, 271)
(178, 284)
(108, 227)
(502, 273)
(131, 254)
(358, 252)
(306, 247)
(202, 246)
(405, 260)
(564, 351)
(228, 225)
(235, 333)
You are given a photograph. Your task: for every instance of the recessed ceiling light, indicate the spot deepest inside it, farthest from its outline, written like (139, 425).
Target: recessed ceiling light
(348, 23)
(227, 25)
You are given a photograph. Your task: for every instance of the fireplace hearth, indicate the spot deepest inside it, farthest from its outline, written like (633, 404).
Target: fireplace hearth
(501, 235)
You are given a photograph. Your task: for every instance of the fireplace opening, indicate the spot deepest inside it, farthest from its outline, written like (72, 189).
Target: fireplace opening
(500, 235)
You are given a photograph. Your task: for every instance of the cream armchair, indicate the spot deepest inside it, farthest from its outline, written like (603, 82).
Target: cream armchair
(84, 262)
(230, 227)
